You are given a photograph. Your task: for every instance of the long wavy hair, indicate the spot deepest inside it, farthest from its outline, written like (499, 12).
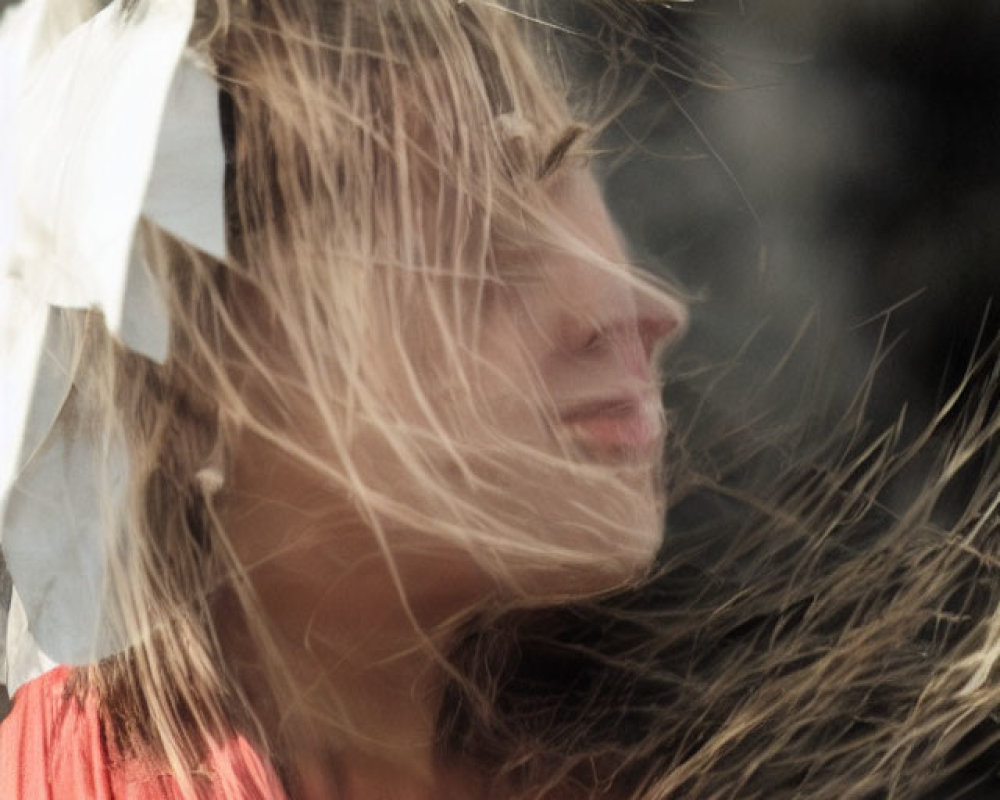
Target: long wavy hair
(382, 154)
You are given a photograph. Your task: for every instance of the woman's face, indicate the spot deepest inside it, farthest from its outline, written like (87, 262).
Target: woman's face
(584, 332)
(532, 460)
(552, 421)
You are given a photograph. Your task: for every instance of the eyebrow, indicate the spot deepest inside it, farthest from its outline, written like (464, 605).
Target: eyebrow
(556, 156)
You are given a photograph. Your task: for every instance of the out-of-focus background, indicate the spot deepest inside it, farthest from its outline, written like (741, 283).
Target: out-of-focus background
(834, 168)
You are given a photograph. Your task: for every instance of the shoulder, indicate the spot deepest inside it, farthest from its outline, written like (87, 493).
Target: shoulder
(45, 740)
(52, 746)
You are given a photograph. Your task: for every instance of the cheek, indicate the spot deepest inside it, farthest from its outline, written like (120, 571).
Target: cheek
(514, 347)
(449, 444)
(468, 369)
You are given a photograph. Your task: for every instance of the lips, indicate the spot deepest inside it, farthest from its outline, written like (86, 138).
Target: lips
(620, 426)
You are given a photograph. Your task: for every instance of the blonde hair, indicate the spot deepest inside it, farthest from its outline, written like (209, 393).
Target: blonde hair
(381, 153)
(380, 156)
(816, 636)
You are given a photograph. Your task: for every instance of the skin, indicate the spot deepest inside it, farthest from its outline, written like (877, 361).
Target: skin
(357, 647)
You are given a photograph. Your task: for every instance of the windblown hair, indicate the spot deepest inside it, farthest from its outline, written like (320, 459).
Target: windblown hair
(824, 624)
(388, 180)
(381, 155)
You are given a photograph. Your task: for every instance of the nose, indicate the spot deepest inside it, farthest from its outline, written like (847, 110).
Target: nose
(605, 307)
(623, 324)
(661, 318)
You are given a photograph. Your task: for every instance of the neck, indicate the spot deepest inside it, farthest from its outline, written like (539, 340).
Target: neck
(357, 639)
(366, 688)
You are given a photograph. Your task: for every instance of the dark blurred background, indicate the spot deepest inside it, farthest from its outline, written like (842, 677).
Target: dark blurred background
(832, 168)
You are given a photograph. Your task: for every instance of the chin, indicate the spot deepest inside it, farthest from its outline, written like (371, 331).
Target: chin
(585, 561)
(544, 522)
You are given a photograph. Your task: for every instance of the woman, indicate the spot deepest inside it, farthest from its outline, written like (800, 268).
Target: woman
(420, 382)
(405, 425)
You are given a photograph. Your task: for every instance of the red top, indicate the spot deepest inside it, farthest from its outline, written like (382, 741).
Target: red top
(52, 748)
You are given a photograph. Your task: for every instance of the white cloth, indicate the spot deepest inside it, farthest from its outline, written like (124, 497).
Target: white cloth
(104, 118)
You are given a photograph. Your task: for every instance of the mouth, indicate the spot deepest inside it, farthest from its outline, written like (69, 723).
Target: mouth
(629, 427)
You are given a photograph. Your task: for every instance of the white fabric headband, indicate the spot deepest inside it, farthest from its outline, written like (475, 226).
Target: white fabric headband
(104, 118)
